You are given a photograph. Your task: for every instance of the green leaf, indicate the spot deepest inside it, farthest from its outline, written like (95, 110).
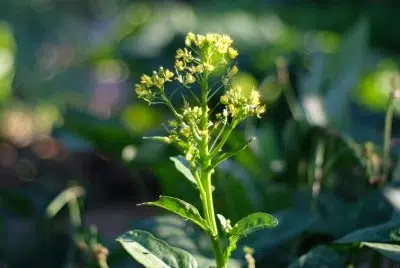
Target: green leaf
(153, 252)
(391, 251)
(252, 223)
(378, 233)
(182, 165)
(182, 208)
(321, 256)
(377, 237)
(183, 235)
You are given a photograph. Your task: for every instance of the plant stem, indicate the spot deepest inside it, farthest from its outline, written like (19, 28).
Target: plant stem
(206, 194)
(208, 206)
(387, 138)
(290, 97)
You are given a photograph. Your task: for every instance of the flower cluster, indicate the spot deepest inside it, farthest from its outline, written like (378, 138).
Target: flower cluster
(192, 125)
(203, 53)
(152, 86)
(240, 106)
(217, 43)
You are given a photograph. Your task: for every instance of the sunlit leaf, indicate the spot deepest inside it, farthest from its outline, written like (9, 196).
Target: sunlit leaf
(153, 252)
(182, 208)
(252, 223)
(182, 165)
(391, 251)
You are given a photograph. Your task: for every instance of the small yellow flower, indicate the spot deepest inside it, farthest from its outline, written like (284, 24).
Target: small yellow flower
(191, 69)
(168, 75)
(200, 40)
(227, 39)
(254, 98)
(139, 89)
(222, 48)
(190, 37)
(232, 53)
(210, 38)
(260, 110)
(146, 80)
(199, 69)
(179, 65)
(158, 81)
(179, 53)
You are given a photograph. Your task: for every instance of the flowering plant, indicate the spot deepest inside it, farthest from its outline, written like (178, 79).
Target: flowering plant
(200, 135)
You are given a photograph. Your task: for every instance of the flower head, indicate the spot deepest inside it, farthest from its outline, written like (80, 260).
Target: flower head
(239, 106)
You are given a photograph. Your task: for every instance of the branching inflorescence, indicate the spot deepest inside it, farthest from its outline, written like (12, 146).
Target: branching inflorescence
(200, 134)
(202, 56)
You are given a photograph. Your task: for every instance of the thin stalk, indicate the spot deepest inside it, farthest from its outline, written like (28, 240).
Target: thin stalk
(387, 137)
(171, 107)
(74, 213)
(318, 168)
(218, 136)
(290, 98)
(224, 139)
(288, 92)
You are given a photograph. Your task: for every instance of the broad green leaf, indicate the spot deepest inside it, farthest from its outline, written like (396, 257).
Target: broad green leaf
(182, 165)
(252, 223)
(391, 251)
(153, 252)
(320, 256)
(183, 235)
(291, 224)
(182, 208)
(378, 233)
(377, 237)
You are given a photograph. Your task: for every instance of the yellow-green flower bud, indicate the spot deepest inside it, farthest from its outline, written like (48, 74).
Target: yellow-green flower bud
(167, 140)
(185, 131)
(224, 99)
(189, 79)
(232, 71)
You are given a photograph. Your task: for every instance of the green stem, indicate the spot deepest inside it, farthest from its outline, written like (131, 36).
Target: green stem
(387, 138)
(224, 139)
(208, 206)
(205, 177)
(290, 97)
(171, 107)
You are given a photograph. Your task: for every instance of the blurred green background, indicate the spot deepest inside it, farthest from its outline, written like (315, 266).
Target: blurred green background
(69, 116)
